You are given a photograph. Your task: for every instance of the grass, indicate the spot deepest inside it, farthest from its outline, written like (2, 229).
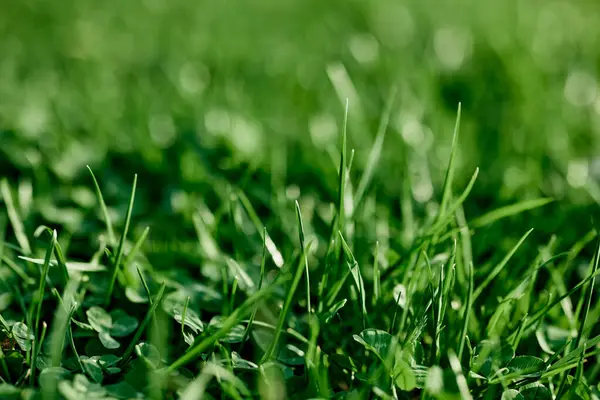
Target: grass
(348, 200)
(450, 342)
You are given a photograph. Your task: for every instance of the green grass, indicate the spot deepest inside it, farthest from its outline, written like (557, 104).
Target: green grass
(348, 200)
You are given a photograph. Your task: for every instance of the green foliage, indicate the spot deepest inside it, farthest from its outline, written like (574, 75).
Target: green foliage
(304, 220)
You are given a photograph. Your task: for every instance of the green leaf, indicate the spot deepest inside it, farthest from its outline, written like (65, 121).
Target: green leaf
(50, 376)
(174, 304)
(333, 310)
(122, 390)
(404, 377)
(235, 335)
(92, 368)
(512, 394)
(122, 324)
(491, 356)
(379, 342)
(435, 380)
(80, 388)
(535, 391)
(108, 360)
(239, 363)
(9, 392)
(15, 363)
(99, 319)
(23, 336)
(149, 354)
(526, 366)
(108, 341)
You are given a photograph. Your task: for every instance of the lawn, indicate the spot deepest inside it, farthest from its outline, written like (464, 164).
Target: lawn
(299, 199)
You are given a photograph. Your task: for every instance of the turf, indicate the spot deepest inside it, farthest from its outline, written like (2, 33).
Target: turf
(299, 200)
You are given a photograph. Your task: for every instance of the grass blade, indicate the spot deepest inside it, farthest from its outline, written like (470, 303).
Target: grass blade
(14, 217)
(461, 381)
(39, 300)
(260, 281)
(119, 255)
(445, 218)
(144, 324)
(447, 190)
(136, 247)
(467, 313)
(109, 228)
(375, 154)
(284, 311)
(342, 174)
(588, 297)
(509, 211)
(540, 314)
(376, 275)
(584, 317)
(232, 320)
(271, 247)
(358, 280)
(498, 268)
(304, 254)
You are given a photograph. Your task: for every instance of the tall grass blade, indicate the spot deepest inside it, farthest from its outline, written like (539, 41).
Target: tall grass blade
(358, 280)
(341, 219)
(144, 324)
(468, 310)
(447, 190)
(509, 211)
(498, 268)
(304, 254)
(15, 219)
(232, 320)
(109, 227)
(375, 154)
(271, 247)
(119, 255)
(38, 302)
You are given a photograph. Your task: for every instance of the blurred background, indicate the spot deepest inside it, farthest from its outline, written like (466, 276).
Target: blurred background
(192, 95)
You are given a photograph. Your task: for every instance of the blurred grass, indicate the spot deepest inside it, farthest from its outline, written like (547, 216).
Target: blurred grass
(221, 106)
(188, 91)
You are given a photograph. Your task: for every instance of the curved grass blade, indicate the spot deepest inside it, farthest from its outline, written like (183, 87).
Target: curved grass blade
(119, 255)
(109, 228)
(375, 154)
(467, 313)
(145, 322)
(39, 301)
(447, 191)
(341, 220)
(358, 280)
(271, 247)
(498, 268)
(304, 254)
(232, 320)
(58, 253)
(509, 211)
(540, 314)
(586, 310)
(15, 219)
(260, 281)
(445, 218)
(136, 247)
(284, 311)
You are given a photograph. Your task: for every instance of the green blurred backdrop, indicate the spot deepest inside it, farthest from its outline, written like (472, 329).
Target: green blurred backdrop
(179, 91)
